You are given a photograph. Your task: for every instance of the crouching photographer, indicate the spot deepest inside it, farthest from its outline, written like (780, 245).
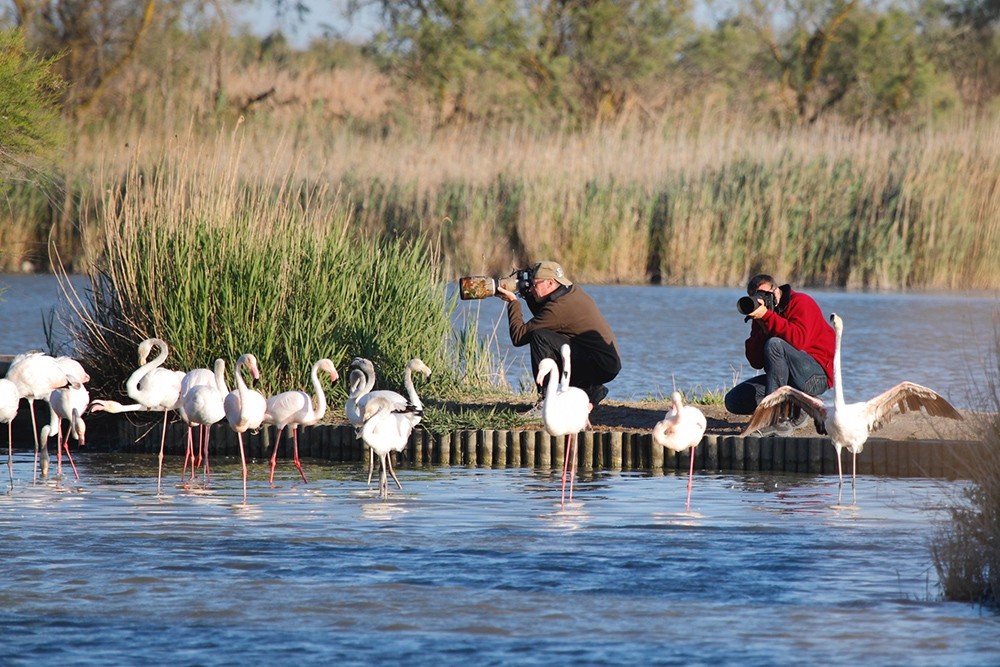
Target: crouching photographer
(562, 313)
(790, 340)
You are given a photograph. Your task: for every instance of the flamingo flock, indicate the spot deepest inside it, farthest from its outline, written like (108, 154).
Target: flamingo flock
(384, 419)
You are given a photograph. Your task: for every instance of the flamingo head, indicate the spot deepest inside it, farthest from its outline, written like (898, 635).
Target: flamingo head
(677, 399)
(327, 366)
(418, 365)
(252, 365)
(838, 324)
(546, 366)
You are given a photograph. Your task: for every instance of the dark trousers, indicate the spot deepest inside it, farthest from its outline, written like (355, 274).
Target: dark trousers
(587, 369)
(783, 364)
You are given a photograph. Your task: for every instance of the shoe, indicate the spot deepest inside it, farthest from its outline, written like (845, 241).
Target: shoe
(784, 427)
(534, 412)
(597, 394)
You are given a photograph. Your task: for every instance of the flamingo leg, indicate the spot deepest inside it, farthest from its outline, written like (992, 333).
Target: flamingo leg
(188, 453)
(243, 462)
(65, 446)
(295, 453)
(371, 464)
(572, 474)
(274, 455)
(10, 452)
(840, 469)
(383, 482)
(207, 430)
(566, 455)
(163, 440)
(687, 507)
(392, 472)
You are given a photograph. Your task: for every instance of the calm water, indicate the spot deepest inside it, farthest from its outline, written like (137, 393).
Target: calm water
(474, 566)
(481, 566)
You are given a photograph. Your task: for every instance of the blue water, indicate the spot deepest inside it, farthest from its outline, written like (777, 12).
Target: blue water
(474, 566)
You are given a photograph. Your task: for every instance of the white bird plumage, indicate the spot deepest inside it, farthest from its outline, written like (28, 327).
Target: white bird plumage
(153, 387)
(681, 429)
(386, 430)
(245, 407)
(67, 403)
(849, 424)
(202, 405)
(295, 408)
(410, 406)
(565, 412)
(9, 402)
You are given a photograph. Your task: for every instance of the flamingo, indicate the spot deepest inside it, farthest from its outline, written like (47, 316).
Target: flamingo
(385, 430)
(194, 378)
(361, 381)
(9, 400)
(850, 424)
(681, 429)
(36, 375)
(565, 411)
(245, 407)
(411, 406)
(295, 408)
(69, 403)
(153, 387)
(203, 406)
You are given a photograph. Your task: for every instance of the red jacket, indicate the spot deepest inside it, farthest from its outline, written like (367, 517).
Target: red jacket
(798, 321)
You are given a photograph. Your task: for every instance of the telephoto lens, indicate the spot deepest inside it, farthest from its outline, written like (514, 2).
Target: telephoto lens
(745, 305)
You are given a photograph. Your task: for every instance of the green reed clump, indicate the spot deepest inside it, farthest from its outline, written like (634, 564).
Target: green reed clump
(217, 268)
(966, 549)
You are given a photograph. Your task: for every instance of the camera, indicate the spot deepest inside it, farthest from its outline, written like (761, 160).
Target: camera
(481, 287)
(748, 304)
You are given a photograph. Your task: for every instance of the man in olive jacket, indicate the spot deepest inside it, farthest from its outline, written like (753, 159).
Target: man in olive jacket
(563, 313)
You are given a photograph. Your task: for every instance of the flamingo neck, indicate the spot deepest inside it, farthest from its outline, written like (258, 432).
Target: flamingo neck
(838, 389)
(411, 391)
(132, 385)
(320, 396)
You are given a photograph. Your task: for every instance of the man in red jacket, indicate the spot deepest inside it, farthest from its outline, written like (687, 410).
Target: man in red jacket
(791, 341)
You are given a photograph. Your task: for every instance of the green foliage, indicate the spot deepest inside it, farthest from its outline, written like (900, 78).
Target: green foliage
(29, 112)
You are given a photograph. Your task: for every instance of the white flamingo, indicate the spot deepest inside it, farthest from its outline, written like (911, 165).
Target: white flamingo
(681, 429)
(385, 430)
(69, 403)
(203, 406)
(245, 407)
(153, 387)
(849, 424)
(36, 375)
(411, 406)
(9, 401)
(294, 409)
(198, 377)
(565, 412)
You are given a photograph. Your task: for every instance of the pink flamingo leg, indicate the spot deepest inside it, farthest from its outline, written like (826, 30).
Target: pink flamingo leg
(566, 455)
(10, 452)
(34, 429)
(274, 455)
(65, 446)
(163, 440)
(572, 474)
(188, 453)
(687, 507)
(243, 461)
(206, 434)
(295, 454)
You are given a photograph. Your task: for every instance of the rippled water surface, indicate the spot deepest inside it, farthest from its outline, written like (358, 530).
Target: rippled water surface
(473, 566)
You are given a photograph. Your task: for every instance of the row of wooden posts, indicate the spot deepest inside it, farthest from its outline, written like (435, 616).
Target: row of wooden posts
(598, 450)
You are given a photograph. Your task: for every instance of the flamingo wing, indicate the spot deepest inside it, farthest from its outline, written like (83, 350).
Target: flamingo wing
(283, 407)
(781, 404)
(907, 397)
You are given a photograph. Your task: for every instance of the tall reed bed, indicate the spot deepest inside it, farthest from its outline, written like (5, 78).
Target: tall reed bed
(966, 549)
(216, 266)
(685, 203)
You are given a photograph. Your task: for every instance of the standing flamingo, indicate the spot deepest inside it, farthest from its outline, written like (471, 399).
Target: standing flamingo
(385, 430)
(411, 406)
(245, 407)
(9, 400)
(36, 375)
(294, 409)
(565, 411)
(849, 424)
(153, 387)
(203, 406)
(681, 429)
(194, 378)
(69, 403)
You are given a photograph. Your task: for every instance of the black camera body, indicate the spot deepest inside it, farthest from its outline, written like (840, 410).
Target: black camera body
(748, 304)
(525, 278)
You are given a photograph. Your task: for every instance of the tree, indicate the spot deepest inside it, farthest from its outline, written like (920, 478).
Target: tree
(29, 88)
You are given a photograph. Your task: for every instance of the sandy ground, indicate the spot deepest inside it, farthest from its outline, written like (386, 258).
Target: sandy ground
(616, 416)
